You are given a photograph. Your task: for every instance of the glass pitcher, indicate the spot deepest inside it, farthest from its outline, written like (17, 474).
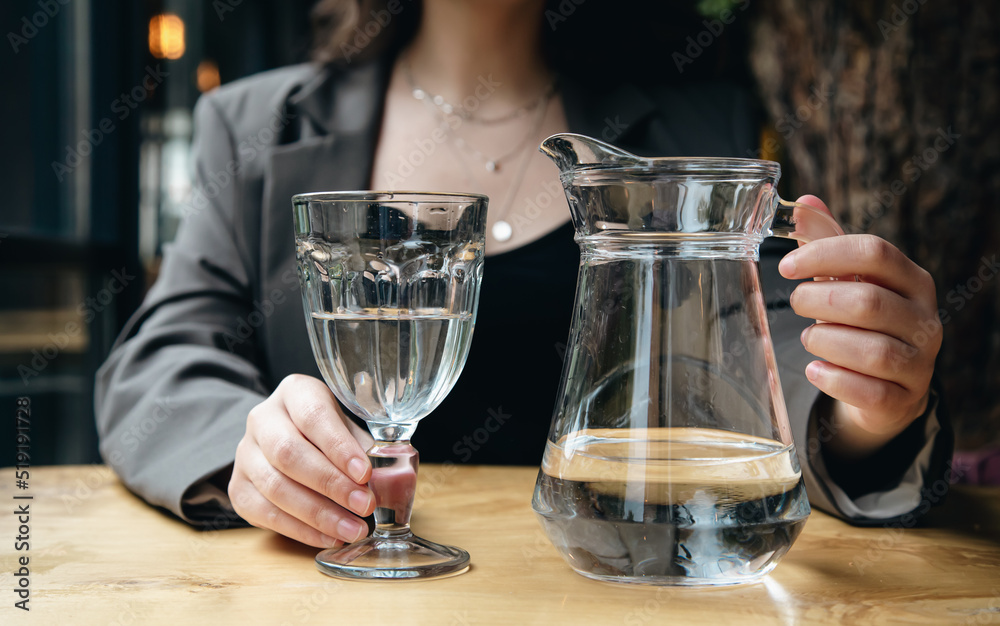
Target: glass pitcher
(670, 459)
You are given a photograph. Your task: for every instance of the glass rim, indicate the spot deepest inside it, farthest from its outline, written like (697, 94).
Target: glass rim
(388, 196)
(734, 167)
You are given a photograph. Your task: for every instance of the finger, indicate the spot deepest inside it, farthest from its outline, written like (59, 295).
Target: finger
(807, 225)
(302, 503)
(874, 396)
(257, 510)
(860, 305)
(871, 259)
(362, 435)
(291, 454)
(869, 353)
(816, 203)
(315, 413)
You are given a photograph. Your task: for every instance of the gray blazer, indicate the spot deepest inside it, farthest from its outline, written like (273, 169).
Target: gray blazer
(224, 322)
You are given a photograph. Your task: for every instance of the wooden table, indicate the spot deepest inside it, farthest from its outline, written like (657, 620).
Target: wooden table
(99, 555)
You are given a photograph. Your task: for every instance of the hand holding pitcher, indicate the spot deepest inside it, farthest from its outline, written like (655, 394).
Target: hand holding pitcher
(879, 338)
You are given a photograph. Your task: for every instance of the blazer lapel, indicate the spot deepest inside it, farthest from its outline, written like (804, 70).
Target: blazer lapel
(341, 119)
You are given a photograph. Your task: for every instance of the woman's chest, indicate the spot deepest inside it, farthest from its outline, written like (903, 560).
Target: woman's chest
(420, 149)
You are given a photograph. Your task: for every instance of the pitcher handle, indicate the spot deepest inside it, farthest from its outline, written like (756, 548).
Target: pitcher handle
(804, 223)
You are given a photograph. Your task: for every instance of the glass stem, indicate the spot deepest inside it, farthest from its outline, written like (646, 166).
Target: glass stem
(394, 483)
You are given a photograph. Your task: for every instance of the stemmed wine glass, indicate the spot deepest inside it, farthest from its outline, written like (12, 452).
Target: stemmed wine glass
(390, 286)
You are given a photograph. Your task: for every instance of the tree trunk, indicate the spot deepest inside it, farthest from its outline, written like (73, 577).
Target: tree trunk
(889, 112)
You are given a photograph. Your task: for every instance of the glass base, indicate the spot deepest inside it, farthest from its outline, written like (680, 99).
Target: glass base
(405, 557)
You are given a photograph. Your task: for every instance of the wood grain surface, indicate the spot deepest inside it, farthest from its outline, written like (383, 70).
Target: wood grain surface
(100, 555)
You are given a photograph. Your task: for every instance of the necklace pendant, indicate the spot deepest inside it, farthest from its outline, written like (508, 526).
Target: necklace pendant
(502, 231)
(492, 166)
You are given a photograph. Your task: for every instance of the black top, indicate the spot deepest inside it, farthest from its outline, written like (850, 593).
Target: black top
(500, 408)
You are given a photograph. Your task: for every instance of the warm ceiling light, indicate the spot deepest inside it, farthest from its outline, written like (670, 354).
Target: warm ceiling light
(208, 75)
(166, 36)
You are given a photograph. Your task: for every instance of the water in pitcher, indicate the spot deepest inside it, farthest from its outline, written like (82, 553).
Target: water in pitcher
(670, 505)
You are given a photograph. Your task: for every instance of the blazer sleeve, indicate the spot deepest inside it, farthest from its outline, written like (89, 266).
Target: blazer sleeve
(896, 485)
(172, 398)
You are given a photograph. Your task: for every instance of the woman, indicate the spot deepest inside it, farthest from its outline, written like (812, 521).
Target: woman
(459, 102)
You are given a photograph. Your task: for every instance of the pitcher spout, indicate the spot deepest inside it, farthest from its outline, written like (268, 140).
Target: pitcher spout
(571, 152)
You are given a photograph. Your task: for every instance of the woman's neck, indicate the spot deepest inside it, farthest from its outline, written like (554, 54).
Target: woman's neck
(462, 45)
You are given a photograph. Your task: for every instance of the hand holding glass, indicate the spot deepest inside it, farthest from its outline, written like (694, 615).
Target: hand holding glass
(390, 286)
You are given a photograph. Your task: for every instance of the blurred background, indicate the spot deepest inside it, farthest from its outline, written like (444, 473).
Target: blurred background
(98, 97)
(888, 111)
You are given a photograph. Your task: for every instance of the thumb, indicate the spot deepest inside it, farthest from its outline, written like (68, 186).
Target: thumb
(812, 225)
(813, 201)
(818, 204)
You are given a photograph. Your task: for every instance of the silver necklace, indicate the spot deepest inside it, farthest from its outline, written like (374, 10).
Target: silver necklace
(469, 116)
(443, 107)
(502, 230)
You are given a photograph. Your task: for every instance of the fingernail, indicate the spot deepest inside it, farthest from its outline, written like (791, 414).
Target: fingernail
(351, 530)
(805, 333)
(813, 371)
(329, 541)
(787, 265)
(359, 501)
(357, 468)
